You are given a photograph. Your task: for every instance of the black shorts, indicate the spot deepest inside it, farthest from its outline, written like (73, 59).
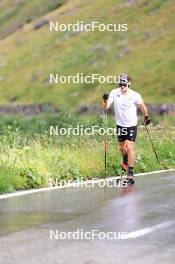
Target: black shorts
(126, 133)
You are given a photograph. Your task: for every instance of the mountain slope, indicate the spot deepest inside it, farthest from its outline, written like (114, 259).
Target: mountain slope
(15, 14)
(145, 51)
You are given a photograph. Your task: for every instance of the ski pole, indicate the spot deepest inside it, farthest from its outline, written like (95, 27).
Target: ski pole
(105, 140)
(105, 99)
(152, 144)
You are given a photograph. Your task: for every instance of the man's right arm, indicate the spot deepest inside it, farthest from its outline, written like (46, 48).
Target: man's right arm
(107, 100)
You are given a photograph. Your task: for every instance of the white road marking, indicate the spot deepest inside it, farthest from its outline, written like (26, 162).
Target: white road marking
(20, 193)
(148, 230)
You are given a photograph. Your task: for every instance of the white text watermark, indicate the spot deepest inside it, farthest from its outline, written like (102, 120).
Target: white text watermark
(80, 130)
(81, 78)
(94, 182)
(81, 26)
(81, 234)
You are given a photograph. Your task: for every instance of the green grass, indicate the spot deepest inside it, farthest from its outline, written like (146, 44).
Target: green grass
(15, 14)
(29, 157)
(10, 180)
(29, 55)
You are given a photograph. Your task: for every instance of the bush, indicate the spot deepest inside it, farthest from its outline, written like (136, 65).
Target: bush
(10, 180)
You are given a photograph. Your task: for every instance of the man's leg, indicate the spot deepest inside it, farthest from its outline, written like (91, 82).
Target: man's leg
(131, 161)
(122, 146)
(123, 150)
(131, 137)
(131, 153)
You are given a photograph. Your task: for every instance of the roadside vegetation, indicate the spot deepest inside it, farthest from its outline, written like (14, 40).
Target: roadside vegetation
(29, 156)
(146, 51)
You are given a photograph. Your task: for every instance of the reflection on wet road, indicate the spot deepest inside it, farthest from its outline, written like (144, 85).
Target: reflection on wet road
(147, 208)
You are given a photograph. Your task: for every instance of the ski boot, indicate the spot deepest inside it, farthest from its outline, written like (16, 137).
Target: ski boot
(124, 167)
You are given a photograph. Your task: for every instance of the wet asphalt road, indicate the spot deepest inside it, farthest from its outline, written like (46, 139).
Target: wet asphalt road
(145, 212)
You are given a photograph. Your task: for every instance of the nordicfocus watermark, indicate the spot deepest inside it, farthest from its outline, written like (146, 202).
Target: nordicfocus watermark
(81, 78)
(94, 182)
(80, 130)
(81, 234)
(81, 26)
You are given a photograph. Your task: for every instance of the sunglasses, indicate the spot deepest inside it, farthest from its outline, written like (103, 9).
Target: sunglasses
(123, 84)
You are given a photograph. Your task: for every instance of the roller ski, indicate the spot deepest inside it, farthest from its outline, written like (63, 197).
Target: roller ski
(130, 177)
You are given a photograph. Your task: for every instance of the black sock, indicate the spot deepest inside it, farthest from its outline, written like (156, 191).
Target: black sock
(125, 158)
(130, 169)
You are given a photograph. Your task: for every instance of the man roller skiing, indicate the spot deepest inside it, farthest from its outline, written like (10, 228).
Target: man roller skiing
(125, 103)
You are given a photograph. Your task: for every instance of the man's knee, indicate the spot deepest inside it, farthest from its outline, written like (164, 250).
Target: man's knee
(123, 148)
(130, 146)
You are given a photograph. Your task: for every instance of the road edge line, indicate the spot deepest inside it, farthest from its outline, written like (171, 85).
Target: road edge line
(20, 193)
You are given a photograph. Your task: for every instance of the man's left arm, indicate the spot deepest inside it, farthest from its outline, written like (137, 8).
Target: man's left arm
(144, 110)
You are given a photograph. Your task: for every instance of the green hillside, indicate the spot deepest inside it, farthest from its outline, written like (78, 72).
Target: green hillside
(146, 51)
(15, 14)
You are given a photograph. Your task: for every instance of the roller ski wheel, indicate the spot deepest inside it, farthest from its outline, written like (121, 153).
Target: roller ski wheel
(130, 181)
(130, 178)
